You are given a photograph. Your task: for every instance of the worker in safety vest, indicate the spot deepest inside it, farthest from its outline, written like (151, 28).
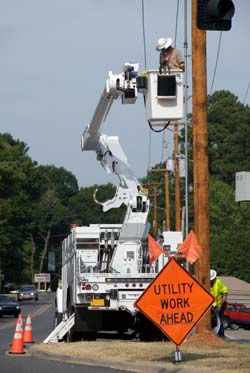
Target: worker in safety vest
(170, 58)
(219, 291)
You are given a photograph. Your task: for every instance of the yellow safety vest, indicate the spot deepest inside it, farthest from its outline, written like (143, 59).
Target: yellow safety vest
(218, 290)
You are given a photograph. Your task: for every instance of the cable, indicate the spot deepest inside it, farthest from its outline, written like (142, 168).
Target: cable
(149, 150)
(145, 65)
(162, 129)
(163, 145)
(216, 63)
(176, 23)
(244, 101)
(143, 33)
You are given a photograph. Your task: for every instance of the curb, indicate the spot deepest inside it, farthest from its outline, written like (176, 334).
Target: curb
(120, 365)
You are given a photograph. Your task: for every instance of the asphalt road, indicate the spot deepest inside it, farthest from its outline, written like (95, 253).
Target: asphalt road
(241, 335)
(42, 316)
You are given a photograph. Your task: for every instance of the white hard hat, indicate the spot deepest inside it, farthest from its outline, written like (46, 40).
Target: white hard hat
(163, 43)
(213, 274)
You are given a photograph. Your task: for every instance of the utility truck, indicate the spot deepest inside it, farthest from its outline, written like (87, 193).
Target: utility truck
(105, 267)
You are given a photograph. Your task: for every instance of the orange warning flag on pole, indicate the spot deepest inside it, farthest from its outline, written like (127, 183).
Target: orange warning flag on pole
(154, 249)
(190, 248)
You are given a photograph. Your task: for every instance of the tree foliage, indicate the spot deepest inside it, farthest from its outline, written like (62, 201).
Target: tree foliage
(228, 136)
(39, 203)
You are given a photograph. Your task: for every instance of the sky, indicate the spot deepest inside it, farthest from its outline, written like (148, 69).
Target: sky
(55, 58)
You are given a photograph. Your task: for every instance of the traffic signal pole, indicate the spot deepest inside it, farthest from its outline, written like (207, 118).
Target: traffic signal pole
(200, 158)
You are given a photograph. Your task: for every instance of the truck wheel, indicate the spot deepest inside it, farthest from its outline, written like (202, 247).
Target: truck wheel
(71, 335)
(58, 318)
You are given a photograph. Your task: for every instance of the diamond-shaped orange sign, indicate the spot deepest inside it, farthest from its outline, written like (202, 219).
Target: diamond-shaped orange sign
(175, 301)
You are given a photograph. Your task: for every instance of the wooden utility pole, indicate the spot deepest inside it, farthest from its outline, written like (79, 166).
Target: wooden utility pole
(167, 203)
(200, 158)
(154, 185)
(177, 178)
(155, 211)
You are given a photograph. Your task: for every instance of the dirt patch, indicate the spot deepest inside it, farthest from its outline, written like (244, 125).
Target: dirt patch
(205, 339)
(197, 355)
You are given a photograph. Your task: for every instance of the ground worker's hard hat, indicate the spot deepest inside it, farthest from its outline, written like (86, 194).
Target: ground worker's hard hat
(213, 274)
(163, 43)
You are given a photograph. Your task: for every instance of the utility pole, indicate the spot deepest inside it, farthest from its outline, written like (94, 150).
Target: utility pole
(155, 210)
(167, 203)
(200, 158)
(154, 185)
(177, 178)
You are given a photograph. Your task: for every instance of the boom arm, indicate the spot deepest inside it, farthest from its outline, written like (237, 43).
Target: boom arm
(123, 85)
(112, 158)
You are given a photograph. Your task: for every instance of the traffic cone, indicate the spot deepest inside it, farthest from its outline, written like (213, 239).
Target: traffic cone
(17, 341)
(27, 334)
(20, 320)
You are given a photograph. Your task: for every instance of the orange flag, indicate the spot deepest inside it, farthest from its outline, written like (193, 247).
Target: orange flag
(154, 249)
(190, 248)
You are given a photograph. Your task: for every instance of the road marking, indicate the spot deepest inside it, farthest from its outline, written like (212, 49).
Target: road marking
(38, 312)
(41, 310)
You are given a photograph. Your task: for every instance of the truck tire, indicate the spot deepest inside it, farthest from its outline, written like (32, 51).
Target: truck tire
(71, 335)
(58, 318)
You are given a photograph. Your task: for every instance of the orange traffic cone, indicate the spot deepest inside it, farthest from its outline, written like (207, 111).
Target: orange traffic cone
(27, 334)
(20, 320)
(17, 341)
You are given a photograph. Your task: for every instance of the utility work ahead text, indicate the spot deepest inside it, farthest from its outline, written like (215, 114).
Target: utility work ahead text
(175, 302)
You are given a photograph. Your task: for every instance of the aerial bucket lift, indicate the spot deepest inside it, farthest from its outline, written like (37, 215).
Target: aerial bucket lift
(105, 266)
(163, 94)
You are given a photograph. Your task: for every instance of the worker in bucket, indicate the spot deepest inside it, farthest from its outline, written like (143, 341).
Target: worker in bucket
(219, 291)
(170, 58)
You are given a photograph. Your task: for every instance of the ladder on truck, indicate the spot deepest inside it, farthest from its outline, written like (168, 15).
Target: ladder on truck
(59, 332)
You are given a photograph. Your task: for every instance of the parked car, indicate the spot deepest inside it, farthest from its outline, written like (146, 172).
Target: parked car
(9, 306)
(236, 315)
(28, 292)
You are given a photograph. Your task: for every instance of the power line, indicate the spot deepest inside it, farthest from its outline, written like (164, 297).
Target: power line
(175, 39)
(244, 101)
(176, 22)
(163, 145)
(216, 63)
(143, 33)
(149, 149)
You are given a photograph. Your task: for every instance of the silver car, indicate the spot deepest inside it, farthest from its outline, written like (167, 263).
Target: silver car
(28, 292)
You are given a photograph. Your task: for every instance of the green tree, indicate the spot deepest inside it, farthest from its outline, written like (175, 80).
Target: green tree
(52, 212)
(85, 211)
(230, 230)
(228, 136)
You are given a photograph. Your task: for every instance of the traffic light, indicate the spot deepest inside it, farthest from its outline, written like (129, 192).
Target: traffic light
(214, 14)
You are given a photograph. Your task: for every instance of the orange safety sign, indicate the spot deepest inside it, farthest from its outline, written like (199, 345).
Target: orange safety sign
(175, 301)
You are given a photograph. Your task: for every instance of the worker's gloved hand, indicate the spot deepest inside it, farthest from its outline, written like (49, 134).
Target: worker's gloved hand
(182, 66)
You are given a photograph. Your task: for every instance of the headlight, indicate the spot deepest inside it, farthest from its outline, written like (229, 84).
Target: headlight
(32, 293)
(95, 287)
(17, 307)
(1, 307)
